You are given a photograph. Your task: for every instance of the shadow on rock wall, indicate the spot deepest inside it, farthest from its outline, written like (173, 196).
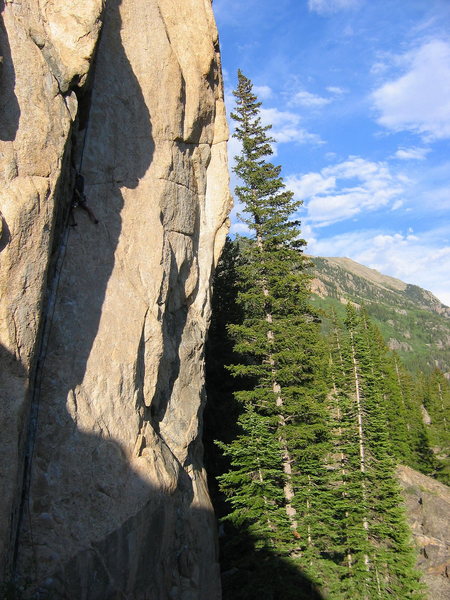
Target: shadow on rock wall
(9, 106)
(13, 383)
(116, 147)
(5, 234)
(93, 528)
(156, 553)
(78, 539)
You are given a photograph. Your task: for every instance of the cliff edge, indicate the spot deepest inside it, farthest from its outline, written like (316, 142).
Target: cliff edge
(102, 325)
(427, 503)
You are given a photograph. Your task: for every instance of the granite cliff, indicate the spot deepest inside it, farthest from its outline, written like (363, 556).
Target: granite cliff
(427, 504)
(103, 325)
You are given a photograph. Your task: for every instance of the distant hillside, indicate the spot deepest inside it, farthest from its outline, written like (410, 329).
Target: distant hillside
(413, 321)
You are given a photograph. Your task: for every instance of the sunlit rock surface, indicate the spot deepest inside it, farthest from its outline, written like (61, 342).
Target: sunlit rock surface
(428, 507)
(103, 325)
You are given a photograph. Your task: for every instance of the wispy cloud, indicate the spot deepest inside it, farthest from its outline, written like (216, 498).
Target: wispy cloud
(419, 100)
(412, 153)
(286, 127)
(337, 91)
(301, 97)
(347, 189)
(326, 7)
(379, 68)
(304, 98)
(262, 91)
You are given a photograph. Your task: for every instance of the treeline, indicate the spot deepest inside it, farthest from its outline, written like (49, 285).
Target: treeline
(308, 486)
(310, 429)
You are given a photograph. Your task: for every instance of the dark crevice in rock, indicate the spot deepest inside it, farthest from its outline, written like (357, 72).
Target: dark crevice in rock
(9, 105)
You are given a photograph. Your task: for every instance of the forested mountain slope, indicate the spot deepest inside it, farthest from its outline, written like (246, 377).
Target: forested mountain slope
(412, 321)
(311, 414)
(346, 445)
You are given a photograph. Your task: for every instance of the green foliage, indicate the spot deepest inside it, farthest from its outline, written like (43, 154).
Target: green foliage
(254, 485)
(310, 471)
(433, 392)
(378, 556)
(280, 370)
(411, 316)
(221, 411)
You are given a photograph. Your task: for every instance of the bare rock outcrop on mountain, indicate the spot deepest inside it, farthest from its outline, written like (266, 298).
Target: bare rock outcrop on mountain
(428, 507)
(102, 325)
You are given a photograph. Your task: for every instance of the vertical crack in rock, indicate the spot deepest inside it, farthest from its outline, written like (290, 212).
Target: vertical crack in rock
(116, 502)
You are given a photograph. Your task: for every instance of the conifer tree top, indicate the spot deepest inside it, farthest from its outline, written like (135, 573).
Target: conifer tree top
(266, 201)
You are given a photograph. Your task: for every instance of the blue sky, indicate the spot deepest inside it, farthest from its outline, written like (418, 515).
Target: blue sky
(358, 93)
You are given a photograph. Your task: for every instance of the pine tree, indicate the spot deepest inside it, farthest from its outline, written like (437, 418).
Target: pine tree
(255, 482)
(311, 484)
(434, 396)
(409, 438)
(379, 561)
(221, 411)
(278, 339)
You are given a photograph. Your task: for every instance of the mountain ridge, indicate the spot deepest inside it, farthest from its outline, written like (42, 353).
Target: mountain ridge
(412, 320)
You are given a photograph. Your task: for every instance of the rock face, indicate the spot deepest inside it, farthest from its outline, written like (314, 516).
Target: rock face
(428, 508)
(103, 325)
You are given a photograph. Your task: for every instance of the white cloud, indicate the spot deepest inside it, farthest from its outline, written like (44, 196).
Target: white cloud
(419, 100)
(309, 100)
(262, 91)
(310, 185)
(279, 118)
(406, 256)
(412, 153)
(379, 68)
(344, 190)
(326, 7)
(337, 91)
(286, 127)
(239, 228)
(304, 98)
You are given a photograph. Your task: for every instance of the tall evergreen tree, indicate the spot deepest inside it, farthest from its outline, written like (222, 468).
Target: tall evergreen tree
(379, 561)
(279, 343)
(434, 395)
(311, 479)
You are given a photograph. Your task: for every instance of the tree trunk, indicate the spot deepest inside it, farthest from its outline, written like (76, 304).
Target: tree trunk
(341, 454)
(362, 449)
(276, 388)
